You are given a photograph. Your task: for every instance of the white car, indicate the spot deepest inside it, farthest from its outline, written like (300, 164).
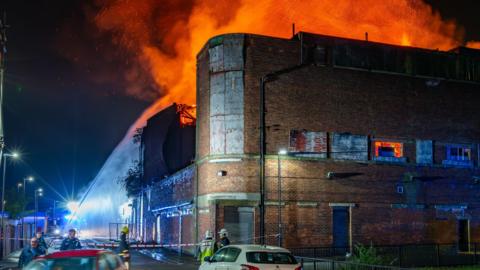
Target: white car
(251, 257)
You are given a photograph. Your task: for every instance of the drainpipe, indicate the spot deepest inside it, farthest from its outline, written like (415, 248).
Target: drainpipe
(270, 77)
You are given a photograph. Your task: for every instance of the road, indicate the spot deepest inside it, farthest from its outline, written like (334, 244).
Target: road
(165, 260)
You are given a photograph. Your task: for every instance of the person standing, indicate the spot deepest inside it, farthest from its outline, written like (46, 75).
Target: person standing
(30, 252)
(41, 241)
(123, 249)
(206, 247)
(71, 242)
(223, 241)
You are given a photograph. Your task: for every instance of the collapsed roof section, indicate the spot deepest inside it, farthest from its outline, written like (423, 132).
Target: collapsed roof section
(168, 142)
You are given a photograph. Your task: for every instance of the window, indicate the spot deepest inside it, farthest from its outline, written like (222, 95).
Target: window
(458, 155)
(113, 261)
(346, 146)
(424, 152)
(388, 149)
(231, 254)
(308, 143)
(261, 257)
(75, 263)
(219, 255)
(103, 263)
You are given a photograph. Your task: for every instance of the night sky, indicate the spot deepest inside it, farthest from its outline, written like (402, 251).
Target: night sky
(58, 115)
(66, 106)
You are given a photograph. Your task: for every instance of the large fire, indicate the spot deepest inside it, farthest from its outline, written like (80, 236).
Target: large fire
(166, 35)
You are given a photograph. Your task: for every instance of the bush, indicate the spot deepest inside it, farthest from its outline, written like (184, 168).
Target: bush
(366, 255)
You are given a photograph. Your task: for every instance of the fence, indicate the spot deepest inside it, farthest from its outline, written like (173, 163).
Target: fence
(405, 255)
(326, 264)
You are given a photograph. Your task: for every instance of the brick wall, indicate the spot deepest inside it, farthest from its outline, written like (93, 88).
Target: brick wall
(339, 100)
(172, 201)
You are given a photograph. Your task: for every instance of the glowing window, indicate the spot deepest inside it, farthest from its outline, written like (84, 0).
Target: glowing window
(459, 153)
(388, 149)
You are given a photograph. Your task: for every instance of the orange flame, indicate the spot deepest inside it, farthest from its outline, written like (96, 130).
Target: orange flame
(473, 44)
(166, 35)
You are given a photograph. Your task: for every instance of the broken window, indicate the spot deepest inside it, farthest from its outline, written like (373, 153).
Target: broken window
(388, 151)
(458, 155)
(308, 143)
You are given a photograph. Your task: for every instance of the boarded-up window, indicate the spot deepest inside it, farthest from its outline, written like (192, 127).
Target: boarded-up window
(308, 142)
(349, 147)
(424, 152)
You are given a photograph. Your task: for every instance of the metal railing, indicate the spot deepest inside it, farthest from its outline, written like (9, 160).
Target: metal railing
(326, 264)
(414, 255)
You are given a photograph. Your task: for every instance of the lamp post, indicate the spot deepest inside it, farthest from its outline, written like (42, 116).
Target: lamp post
(25, 179)
(19, 185)
(38, 192)
(5, 156)
(280, 232)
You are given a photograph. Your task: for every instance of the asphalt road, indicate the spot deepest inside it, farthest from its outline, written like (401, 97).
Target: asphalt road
(165, 260)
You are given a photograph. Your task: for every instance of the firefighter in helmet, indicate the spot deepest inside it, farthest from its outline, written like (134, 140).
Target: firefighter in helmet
(223, 241)
(123, 247)
(206, 247)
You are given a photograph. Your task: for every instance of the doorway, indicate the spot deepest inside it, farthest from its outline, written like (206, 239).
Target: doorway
(463, 235)
(239, 223)
(340, 229)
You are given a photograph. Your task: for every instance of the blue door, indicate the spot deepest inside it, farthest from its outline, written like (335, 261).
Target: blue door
(340, 227)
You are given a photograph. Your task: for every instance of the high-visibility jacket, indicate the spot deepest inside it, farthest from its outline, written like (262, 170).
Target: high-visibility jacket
(206, 249)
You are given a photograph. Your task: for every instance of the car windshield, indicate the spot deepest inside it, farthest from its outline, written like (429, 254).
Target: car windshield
(270, 257)
(75, 263)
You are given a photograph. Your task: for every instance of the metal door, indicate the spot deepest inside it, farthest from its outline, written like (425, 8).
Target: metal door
(340, 227)
(463, 235)
(239, 224)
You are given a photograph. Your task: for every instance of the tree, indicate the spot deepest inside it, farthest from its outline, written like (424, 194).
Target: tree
(132, 181)
(15, 203)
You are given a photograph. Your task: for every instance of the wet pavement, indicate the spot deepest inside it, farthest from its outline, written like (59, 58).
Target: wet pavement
(164, 260)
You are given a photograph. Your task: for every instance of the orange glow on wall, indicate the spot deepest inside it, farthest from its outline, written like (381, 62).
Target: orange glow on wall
(395, 147)
(165, 36)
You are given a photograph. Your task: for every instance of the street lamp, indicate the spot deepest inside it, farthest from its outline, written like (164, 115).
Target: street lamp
(281, 152)
(25, 179)
(14, 155)
(19, 185)
(38, 192)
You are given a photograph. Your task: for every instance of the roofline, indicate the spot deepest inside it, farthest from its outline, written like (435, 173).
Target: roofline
(298, 35)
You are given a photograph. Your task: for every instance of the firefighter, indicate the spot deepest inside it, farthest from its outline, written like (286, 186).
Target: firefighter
(223, 241)
(71, 242)
(123, 247)
(206, 247)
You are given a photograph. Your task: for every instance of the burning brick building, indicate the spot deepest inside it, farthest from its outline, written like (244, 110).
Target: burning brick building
(167, 152)
(325, 141)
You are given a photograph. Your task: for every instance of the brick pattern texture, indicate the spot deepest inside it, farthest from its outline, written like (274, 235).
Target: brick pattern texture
(331, 99)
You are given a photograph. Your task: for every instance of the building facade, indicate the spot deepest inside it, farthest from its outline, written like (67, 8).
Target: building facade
(380, 142)
(163, 209)
(325, 141)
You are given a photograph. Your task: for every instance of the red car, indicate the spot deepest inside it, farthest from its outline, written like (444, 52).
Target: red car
(80, 259)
